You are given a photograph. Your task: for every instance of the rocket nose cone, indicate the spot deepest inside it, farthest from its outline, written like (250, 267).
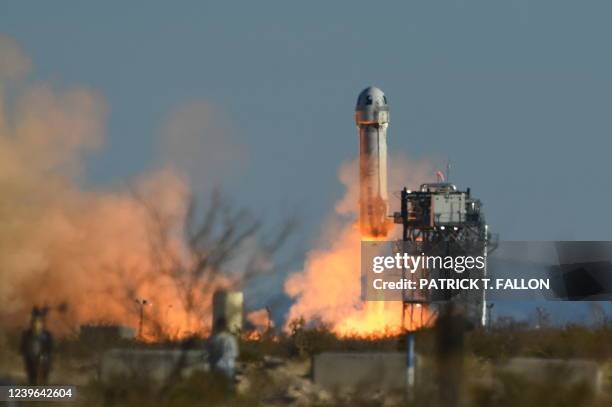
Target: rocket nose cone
(371, 97)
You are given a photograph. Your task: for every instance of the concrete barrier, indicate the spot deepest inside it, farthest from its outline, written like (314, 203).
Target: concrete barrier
(387, 370)
(157, 365)
(105, 333)
(377, 369)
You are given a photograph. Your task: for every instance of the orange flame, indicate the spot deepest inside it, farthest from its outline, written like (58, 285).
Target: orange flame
(328, 289)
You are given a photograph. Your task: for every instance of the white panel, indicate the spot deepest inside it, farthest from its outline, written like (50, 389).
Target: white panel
(449, 208)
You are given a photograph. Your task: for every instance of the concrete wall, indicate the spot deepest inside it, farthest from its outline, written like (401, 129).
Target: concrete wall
(102, 333)
(154, 364)
(388, 370)
(379, 369)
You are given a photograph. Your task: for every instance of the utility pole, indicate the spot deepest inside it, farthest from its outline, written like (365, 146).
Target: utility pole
(141, 304)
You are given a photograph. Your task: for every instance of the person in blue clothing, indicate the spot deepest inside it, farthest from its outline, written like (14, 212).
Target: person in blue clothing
(223, 350)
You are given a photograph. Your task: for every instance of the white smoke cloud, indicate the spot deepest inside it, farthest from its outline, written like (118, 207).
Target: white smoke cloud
(60, 242)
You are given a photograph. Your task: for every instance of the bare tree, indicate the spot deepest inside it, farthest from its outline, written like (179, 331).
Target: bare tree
(213, 240)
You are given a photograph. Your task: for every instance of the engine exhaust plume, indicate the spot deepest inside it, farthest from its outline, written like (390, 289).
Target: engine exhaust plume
(327, 289)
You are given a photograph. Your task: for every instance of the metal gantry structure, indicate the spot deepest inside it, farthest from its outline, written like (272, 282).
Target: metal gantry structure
(438, 218)
(442, 220)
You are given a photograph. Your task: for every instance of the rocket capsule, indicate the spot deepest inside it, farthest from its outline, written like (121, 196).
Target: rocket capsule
(372, 107)
(372, 119)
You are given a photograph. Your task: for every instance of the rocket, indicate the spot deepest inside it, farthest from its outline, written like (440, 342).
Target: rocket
(372, 119)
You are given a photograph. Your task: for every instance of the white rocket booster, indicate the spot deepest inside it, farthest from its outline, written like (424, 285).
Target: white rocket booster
(372, 118)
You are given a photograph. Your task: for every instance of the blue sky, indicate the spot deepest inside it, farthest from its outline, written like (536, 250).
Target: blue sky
(516, 93)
